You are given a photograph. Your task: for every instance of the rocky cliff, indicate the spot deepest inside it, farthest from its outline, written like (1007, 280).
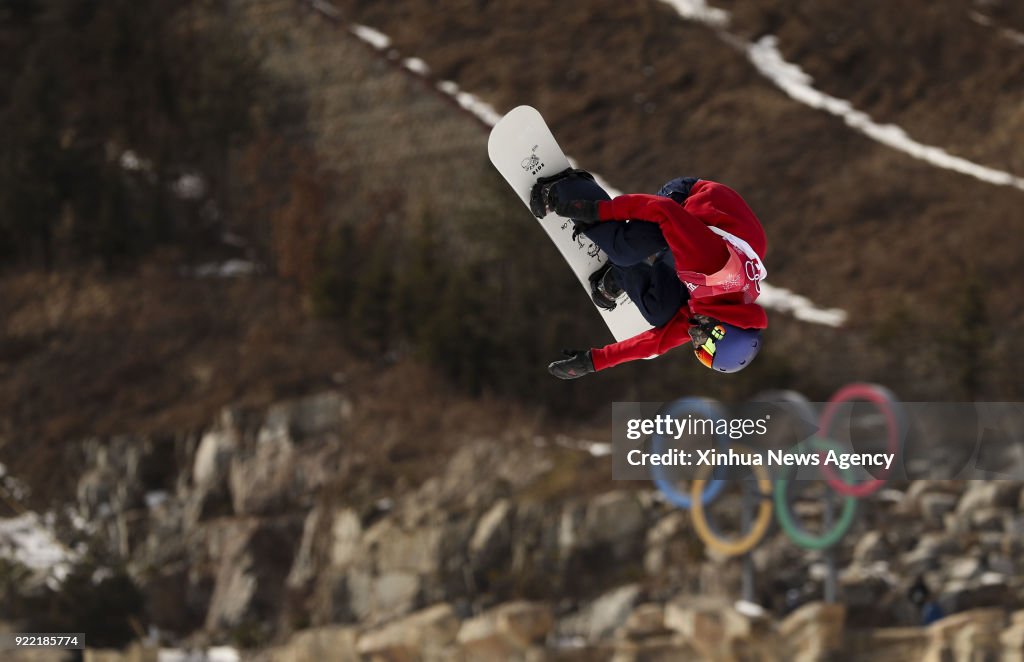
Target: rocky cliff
(288, 527)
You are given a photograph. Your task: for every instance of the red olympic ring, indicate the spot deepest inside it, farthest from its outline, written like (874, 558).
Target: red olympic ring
(883, 400)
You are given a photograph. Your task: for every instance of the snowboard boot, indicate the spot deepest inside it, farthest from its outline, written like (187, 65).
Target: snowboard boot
(540, 196)
(604, 287)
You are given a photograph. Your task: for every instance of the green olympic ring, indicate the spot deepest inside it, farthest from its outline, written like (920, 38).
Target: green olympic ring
(788, 520)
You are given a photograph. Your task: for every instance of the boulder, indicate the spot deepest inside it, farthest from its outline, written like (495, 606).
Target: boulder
(397, 549)
(213, 457)
(307, 417)
(252, 559)
(615, 518)
(377, 598)
(209, 495)
(600, 618)
(492, 530)
(929, 550)
(871, 547)
(332, 642)
(646, 620)
(981, 591)
(886, 644)
(304, 568)
(964, 568)
(263, 480)
(346, 531)
(814, 631)
(664, 648)
(1012, 639)
(935, 505)
(710, 625)
(864, 590)
(505, 632)
(970, 635)
(987, 494)
(990, 519)
(664, 551)
(421, 635)
(134, 652)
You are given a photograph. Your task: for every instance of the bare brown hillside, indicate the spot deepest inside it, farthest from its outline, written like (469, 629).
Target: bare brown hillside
(640, 95)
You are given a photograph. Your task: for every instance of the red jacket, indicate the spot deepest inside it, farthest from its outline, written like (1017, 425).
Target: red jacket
(701, 255)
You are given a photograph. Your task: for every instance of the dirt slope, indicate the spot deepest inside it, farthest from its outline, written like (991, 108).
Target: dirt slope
(640, 95)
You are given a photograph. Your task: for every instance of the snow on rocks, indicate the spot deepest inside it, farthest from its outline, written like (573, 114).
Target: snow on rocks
(27, 540)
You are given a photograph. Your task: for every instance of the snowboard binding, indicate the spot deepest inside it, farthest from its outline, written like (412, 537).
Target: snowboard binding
(543, 196)
(604, 287)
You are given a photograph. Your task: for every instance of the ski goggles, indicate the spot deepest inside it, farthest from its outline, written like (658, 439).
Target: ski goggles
(704, 343)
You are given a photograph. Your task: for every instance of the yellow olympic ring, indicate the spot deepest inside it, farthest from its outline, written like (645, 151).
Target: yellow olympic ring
(732, 546)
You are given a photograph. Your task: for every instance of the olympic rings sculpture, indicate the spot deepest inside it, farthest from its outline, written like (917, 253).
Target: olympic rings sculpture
(775, 495)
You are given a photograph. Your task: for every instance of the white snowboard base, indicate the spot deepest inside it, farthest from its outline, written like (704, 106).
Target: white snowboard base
(523, 149)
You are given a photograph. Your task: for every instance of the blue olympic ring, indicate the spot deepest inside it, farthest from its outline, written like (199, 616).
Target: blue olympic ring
(678, 409)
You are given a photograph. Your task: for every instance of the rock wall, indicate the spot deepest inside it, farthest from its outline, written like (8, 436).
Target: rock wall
(261, 526)
(698, 629)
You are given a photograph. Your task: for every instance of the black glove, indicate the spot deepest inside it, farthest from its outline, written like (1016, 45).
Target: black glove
(576, 365)
(578, 210)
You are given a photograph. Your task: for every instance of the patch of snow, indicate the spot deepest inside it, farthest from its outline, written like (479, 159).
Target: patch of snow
(26, 540)
(14, 487)
(1015, 36)
(980, 18)
(189, 187)
(78, 522)
(375, 38)
(232, 239)
(749, 609)
(212, 654)
(156, 498)
(223, 654)
(698, 10)
(800, 307)
(791, 79)
(229, 269)
(131, 161)
(416, 65)
(326, 8)
(483, 110)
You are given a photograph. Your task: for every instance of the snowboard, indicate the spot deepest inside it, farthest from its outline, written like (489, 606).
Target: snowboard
(523, 149)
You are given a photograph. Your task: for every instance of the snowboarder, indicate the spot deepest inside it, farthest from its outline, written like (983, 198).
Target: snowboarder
(689, 257)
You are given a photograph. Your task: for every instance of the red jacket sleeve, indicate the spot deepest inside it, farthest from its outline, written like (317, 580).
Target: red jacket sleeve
(651, 342)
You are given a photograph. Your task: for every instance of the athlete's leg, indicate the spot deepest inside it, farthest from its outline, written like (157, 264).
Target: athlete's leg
(655, 289)
(624, 243)
(627, 243)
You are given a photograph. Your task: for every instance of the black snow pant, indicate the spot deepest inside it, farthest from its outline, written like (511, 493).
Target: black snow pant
(654, 288)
